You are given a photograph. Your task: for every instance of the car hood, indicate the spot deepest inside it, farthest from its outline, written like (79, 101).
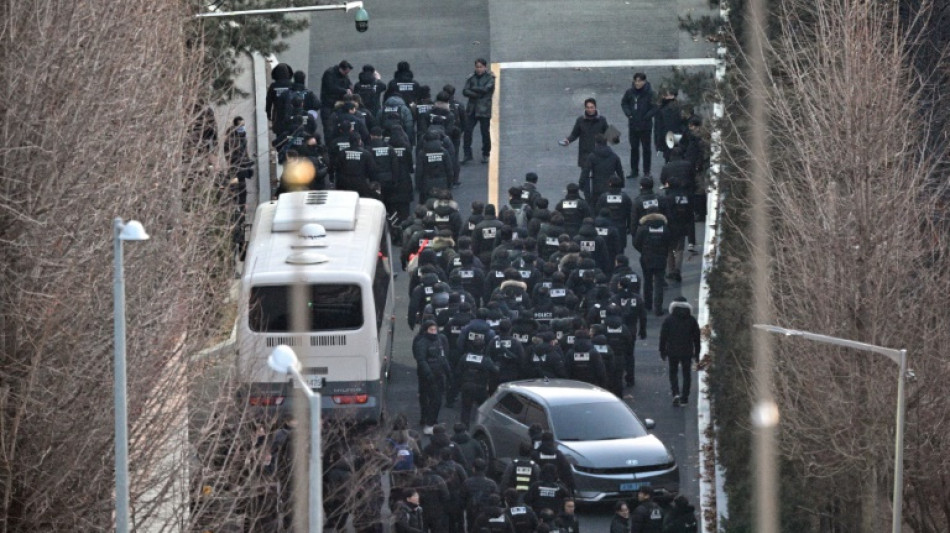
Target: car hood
(618, 453)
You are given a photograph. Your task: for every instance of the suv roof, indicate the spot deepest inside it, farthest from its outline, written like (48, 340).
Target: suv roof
(560, 391)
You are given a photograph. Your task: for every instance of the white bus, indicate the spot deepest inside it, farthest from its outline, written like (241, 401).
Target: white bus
(335, 246)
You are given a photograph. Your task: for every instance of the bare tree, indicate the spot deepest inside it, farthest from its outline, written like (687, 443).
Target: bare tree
(859, 250)
(97, 119)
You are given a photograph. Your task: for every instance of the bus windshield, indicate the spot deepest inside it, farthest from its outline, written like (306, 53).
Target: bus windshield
(331, 307)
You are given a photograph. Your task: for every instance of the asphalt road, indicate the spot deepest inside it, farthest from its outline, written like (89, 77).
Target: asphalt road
(537, 106)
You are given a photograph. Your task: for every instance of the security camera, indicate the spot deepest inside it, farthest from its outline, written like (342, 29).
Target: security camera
(362, 20)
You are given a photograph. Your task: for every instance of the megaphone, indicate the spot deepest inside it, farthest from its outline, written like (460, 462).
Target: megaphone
(672, 139)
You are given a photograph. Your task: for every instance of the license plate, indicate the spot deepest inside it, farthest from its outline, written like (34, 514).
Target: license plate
(630, 487)
(315, 382)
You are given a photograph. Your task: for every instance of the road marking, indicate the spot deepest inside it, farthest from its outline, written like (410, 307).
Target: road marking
(609, 63)
(495, 134)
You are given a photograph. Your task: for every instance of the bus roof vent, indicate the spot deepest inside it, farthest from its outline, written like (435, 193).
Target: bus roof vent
(311, 236)
(334, 210)
(306, 257)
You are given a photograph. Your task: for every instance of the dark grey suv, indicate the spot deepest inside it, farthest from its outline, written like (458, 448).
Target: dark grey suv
(608, 446)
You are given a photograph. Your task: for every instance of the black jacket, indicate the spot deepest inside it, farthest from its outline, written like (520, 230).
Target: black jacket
(585, 127)
(546, 361)
(584, 363)
(402, 187)
(276, 89)
(357, 170)
(620, 206)
(435, 168)
(595, 245)
(474, 371)
(669, 117)
(602, 163)
(681, 519)
(619, 524)
(646, 518)
(404, 85)
(408, 518)
(479, 91)
(383, 160)
(430, 353)
(653, 240)
(681, 218)
(574, 209)
(333, 87)
(547, 453)
(680, 169)
(475, 491)
(679, 334)
(484, 238)
(371, 91)
(647, 202)
(638, 105)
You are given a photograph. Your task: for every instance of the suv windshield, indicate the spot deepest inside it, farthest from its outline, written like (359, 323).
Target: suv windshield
(595, 421)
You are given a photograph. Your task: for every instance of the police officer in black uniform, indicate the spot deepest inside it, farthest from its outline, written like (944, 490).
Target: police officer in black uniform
(474, 372)
(435, 168)
(429, 348)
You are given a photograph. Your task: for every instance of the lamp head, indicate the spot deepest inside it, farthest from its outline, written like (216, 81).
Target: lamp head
(133, 231)
(282, 359)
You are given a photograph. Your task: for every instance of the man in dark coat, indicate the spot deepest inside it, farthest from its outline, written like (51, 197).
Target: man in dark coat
(476, 491)
(670, 117)
(681, 517)
(652, 240)
(435, 168)
(370, 88)
(430, 349)
(357, 171)
(647, 517)
(479, 88)
(399, 199)
(334, 85)
(620, 206)
(585, 127)
(282, 75)
(638, 105)
(573, 208)
(403, 84)
(602, 164)
(676, 168)
(680, 343)
(682, 227)
(547, 454)
(645, 203)
(485, 236)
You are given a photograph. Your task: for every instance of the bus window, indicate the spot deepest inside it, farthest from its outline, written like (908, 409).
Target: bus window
(331, 307)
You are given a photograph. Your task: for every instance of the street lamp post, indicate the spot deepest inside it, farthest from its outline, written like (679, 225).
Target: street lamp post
(345, 6)
(284, 360)
(899, 357)
(131, 231)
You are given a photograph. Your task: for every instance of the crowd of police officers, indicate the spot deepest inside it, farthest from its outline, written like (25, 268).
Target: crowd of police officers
(533, 289)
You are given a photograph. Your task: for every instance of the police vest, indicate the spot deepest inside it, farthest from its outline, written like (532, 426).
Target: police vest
(524, 470)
